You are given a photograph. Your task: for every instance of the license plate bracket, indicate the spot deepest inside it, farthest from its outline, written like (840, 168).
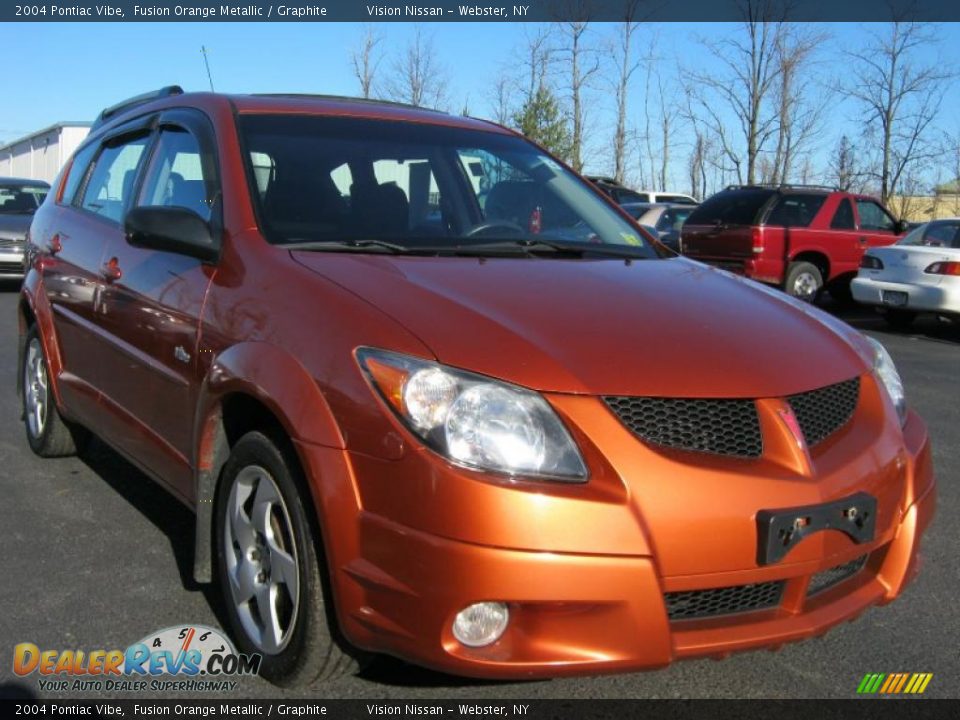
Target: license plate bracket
(893, 298)
(779, 531)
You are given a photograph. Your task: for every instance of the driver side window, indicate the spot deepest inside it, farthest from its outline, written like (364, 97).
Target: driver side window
(176, 177)
(874, 217)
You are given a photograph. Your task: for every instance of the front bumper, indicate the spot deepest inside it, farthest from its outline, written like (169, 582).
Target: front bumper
(398, 587)
(921, 298)
(11, 263)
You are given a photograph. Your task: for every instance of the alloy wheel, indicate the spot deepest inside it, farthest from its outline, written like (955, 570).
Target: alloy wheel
(261, 560)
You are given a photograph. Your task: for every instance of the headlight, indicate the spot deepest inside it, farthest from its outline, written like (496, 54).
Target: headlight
(473, 420)
(886, 371)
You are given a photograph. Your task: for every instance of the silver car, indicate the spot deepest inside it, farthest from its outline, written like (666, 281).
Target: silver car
(19, 199)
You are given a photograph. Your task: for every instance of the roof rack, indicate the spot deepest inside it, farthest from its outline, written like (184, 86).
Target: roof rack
(371, 101)
(146, 97)
(784, 186)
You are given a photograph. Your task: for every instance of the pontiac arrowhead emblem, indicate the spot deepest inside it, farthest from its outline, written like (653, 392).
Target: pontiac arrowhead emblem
(790, 420)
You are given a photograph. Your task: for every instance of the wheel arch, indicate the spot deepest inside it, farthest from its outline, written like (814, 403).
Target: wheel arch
(818, 258)
(251, 386)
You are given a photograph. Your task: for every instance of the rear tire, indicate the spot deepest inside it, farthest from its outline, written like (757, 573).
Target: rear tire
(804, 281)
(841, 292)
(900, 319)
(271, 569)
(48, 434)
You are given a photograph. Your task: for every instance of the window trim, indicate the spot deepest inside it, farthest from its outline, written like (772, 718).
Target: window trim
(125, 134)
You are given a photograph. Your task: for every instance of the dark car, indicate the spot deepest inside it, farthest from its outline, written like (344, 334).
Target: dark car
(414, 416)
(665, 219)
(801, 238)
(19, 199)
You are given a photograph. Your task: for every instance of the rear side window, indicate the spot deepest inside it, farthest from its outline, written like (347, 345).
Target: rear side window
(795, 210)
(111, 182)
(629, 196)
(731, 207)
(78, 170)
(874, 217)
(843, 217)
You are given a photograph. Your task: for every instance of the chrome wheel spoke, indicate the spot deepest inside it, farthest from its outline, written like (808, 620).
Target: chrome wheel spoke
(242, 528)
(243, 582)
(269, 618)
(283, 571)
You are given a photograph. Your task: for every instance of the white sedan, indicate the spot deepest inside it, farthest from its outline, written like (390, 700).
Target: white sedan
(920, 273)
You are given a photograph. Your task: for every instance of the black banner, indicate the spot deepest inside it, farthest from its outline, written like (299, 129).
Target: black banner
(476, 11)
(485, 709)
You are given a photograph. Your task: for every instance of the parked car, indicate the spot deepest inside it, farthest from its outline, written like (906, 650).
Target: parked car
(462, 440)
(920, 274)
(623, 195)
(665, 219)
(19, 199)
(799, 238)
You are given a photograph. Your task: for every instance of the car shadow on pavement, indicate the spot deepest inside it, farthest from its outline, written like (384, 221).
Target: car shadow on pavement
(159, 507)
(385, 670)
(17, 691)
(868, 319)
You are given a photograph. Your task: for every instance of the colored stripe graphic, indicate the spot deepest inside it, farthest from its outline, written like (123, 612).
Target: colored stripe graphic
(894, 683)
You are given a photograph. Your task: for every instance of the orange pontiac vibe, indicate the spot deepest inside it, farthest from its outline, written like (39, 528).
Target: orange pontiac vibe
(431, 394)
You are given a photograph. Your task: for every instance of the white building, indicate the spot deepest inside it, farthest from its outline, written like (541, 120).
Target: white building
(40, 155)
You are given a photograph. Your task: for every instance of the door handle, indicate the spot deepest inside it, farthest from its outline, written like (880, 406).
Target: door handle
(863, 239)
(110, 270)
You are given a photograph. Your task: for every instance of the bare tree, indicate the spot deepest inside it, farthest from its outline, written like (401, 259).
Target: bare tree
(741, 82)
(900, 95)
(626, 67)
(536, 61)
(501, 98)
(800, 105)
(366, 60)
(582, 62)
(844, 169)
(417, 77)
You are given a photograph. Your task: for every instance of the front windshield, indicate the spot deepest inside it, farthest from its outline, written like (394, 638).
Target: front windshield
(335, 180)
(940, 233)
(21, 199)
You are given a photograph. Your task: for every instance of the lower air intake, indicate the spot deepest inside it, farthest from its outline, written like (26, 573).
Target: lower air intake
(693, 604)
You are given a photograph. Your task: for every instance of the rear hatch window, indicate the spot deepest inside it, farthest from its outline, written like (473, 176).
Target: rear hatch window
(731, 207)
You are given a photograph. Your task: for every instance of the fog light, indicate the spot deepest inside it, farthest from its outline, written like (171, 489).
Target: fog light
(481, 624)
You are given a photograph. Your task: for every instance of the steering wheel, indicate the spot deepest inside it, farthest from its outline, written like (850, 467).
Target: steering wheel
(484, 227)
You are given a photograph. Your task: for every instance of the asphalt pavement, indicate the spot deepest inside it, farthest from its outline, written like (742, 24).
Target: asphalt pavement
(95, 556)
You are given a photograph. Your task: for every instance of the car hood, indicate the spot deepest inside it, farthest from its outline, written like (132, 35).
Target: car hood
(15, 225)
(668, 327)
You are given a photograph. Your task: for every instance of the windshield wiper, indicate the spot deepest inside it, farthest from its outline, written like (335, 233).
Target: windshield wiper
(348, 245)
(539, 245)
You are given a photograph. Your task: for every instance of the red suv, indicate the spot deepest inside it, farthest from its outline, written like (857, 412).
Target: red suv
(799, 238)
(432, 394)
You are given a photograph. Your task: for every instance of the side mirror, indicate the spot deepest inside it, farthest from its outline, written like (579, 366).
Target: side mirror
(900, 227)
(171, 229)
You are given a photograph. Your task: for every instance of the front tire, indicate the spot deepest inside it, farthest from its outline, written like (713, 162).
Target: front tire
(270, 572)
(804, 281)
(48, 434)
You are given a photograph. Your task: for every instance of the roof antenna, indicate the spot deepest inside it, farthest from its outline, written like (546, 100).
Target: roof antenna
(206, 62)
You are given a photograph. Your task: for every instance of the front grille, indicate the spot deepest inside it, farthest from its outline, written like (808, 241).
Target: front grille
(822, 412)
(11, 268)
(723, 601)
(828, 578)
(721, 427)
(7, 242)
